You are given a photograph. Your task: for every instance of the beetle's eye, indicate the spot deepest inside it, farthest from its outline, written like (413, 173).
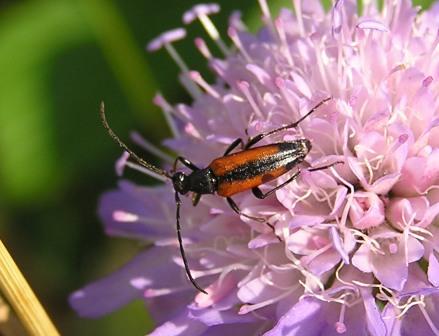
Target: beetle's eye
(179, 182)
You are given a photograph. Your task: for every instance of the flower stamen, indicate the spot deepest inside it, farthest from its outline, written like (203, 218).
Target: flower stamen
(203, 48)
(246, 308)
(349, 197)
(283, 41)
(372, 243)
(297, 4)
(201, 13)
(427, 317)
(165, 40)
(340, 326)
(234, 36)
(197, 78)
(266, 16)
(151, 148)
(168, 111)
(410, 303)
(244, 87)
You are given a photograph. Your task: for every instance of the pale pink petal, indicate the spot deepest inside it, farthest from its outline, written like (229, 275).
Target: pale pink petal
(256, 291)
(398, 212)
(181, 325)
(362, 259)
(367, 210)
(216, 291)
(263, 240)
(415, 249)
(375, 322)
(322, 263)
(430, 215)
(149, 269)
(390, 270)
(384, 184)
(372, 24)
(304, 220)
(433, 270)
(338, 245)
(339, 199)
(391, 320)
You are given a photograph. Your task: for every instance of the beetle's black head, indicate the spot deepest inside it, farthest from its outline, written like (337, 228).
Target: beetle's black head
(180, 182)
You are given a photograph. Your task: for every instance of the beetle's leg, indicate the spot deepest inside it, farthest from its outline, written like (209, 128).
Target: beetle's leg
(259, 137)
(259, 194)
(186, 162)
(180, 242)
(195, 199)
(235, 208)
(325, 167)
(233, 145)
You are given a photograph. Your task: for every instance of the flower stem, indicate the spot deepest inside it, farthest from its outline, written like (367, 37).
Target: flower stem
(21, 297)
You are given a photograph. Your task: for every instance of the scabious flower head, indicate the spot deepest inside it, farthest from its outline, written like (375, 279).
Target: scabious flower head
(355, 247)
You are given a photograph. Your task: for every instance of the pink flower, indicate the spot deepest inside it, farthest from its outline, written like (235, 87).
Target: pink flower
(351, 249)
(367, 210)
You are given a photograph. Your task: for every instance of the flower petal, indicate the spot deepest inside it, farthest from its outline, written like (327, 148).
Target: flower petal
(336, 240)
(375, 323)
(148, 269)
(300, 320)
(390, 270)
(181, 325)
(125, 212)
(433, 270)
(305, 220)
(372, 24)
(362, 259)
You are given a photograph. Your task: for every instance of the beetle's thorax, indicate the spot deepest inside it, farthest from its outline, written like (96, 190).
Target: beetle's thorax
(202, 181)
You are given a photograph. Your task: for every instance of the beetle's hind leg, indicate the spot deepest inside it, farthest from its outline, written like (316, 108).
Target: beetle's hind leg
(259, 194)
(235, 208)
(253, 141)
(325, 166)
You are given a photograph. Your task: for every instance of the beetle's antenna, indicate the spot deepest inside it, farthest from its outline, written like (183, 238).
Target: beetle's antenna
(139, 160)
(311, 111)
(259, 137)
(180, 242)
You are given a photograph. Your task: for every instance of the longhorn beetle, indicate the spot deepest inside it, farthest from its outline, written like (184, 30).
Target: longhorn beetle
(231, 173)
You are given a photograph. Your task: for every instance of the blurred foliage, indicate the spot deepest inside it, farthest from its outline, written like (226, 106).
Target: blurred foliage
(59, 59)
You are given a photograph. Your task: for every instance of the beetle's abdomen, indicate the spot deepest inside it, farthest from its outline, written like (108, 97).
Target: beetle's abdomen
(252, 167)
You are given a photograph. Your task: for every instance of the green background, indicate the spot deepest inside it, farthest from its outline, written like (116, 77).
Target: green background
(58, 60)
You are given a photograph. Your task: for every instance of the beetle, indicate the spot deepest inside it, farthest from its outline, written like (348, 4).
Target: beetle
(231, 173)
